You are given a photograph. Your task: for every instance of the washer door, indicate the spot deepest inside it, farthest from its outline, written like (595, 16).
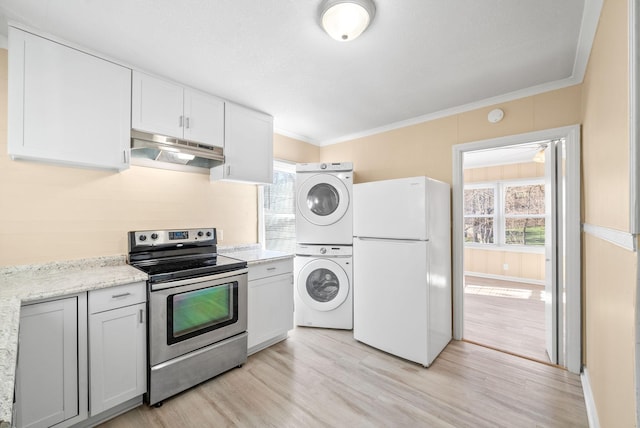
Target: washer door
(323, 199)
(323, 285)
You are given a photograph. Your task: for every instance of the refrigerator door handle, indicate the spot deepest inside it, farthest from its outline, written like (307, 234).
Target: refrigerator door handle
(362, 238)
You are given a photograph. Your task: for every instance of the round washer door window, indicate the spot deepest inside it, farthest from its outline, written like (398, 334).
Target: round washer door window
(323, 199)
(323, 285)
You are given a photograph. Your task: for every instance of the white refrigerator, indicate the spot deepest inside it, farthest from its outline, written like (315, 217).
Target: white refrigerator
(402, 267)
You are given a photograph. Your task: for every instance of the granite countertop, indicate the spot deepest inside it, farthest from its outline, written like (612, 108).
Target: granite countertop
(20, 284)
(253, 254)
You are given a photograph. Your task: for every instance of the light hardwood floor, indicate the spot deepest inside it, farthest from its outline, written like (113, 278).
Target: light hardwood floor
(505, 315)
(324, 378)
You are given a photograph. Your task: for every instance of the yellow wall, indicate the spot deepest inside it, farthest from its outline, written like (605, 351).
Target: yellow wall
(287, 148)
(523, 265)
(425, 148)
(606, 124)
(492, 262)
(609, 326)
(609, 271)
(53, 213)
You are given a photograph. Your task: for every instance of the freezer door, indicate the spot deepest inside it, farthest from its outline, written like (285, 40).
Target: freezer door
(391, 296)
(394, 209)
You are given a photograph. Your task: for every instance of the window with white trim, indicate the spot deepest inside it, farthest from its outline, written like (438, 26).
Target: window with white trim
(479, 213)
(505, 214)
(276, 209)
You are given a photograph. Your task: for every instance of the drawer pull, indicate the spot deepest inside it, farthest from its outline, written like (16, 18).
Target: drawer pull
(271, 268)
(115, 296)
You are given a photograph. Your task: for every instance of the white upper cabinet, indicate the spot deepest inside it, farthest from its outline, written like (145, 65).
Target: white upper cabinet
(165, 108)
(204, 118)
(157, 106)
(66, 106)
(248, 148)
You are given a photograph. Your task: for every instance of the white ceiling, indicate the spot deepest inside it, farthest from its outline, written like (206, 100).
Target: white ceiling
(419, 59)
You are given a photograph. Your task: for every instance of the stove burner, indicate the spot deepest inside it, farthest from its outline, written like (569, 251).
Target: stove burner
(174, 255)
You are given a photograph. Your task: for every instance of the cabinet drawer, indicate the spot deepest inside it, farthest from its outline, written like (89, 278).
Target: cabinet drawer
(117, 297)
(267, 269)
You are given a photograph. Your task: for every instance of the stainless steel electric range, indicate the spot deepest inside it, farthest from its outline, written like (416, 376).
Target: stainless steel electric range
(197, 308)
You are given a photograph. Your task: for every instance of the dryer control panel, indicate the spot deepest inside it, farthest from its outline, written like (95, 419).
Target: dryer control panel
(324, 167)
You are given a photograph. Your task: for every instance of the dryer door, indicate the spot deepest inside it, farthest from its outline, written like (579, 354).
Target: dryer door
(323, 285)
(323, 199)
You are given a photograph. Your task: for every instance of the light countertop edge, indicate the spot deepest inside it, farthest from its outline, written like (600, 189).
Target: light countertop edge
(30, 283)
(255, 255)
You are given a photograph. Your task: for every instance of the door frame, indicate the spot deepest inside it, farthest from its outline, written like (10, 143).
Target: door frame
(573, 307)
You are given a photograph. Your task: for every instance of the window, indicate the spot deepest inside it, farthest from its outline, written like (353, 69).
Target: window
(479, 214)
(524, 214)
(505, 214)
(277, 209)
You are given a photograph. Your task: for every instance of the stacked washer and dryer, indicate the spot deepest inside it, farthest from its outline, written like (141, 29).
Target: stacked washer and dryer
(323, 266)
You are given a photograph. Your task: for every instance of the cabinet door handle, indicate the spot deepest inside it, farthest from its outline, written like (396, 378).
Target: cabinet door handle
(187, 122)
(141, 316)
(228, 170)
(115, 296)
(124, 156)
(180, 121)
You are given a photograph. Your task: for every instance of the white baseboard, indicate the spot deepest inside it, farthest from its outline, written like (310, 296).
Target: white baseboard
(592, 412)
(506, 278)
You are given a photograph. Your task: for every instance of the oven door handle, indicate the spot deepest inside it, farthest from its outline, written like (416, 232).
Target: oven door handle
(172, 284)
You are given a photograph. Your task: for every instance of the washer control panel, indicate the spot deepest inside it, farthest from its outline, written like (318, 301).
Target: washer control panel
(324, 250)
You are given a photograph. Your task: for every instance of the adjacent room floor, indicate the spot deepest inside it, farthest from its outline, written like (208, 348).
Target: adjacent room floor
(505, 315)
(321, 377)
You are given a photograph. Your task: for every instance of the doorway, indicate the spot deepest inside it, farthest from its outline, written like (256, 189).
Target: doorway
(546, 228)
(505, 218)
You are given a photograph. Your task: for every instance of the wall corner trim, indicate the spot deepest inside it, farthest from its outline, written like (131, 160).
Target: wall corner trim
(592, 411)
(622, 239)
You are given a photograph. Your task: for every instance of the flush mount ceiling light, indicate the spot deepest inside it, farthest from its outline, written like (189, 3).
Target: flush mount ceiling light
(344, 20)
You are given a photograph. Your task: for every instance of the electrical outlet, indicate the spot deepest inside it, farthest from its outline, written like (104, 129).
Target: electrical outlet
(220, 235)
(505, 266)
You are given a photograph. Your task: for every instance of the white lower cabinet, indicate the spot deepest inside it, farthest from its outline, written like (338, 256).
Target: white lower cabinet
(51, 381)
(270, 312)
(80, 356)
(117, 346)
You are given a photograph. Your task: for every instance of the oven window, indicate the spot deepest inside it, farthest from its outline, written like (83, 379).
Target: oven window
(195, 312)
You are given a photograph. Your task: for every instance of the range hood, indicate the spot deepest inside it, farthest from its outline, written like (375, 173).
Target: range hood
(158, 151)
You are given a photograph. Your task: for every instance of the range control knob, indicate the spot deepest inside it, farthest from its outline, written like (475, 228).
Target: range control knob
(200, 233)
(209, 233)
(323, 166)
(323, 250)
(154, 236)
(143, 237)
